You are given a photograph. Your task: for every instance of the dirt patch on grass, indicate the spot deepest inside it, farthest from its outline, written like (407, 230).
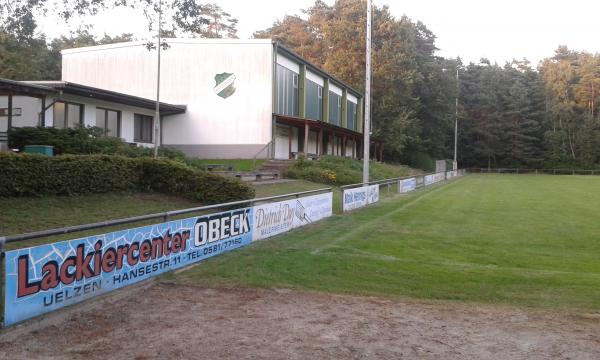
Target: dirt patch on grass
(161, 320)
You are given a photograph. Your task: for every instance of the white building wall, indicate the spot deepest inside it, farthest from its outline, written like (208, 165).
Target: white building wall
(349, 147)
(127, 114)
(212, 127)
(30, 111)
(312, 142)
(31, 108)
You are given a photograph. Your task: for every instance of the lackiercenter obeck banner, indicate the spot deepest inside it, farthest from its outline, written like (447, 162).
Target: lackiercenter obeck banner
(44, 278)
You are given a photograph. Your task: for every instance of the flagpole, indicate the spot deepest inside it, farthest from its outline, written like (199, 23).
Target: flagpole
(367, 127)
(157, 115)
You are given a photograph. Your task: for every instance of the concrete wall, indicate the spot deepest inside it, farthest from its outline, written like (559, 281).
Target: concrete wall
(236, 126)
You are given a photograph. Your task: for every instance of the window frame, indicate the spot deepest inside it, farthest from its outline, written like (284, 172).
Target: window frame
(66, 116)
(106, 110)
(135, 136)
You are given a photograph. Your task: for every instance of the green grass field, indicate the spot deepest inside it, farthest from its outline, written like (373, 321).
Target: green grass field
(500, 239)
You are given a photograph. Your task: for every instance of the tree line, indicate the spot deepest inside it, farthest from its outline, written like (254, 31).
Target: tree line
(511, 115)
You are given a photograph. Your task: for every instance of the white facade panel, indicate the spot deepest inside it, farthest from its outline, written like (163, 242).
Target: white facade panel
(315, 78)
(334, 89)
(289, 64)
(189, 76)
(352, 98)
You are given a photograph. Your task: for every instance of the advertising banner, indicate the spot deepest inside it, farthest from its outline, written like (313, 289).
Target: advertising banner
(407, 185)
(47, 277)
(276, 218)
(358, 197)
(428, 180)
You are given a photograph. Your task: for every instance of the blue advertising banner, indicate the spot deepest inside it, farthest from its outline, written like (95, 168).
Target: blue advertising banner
(47, 277)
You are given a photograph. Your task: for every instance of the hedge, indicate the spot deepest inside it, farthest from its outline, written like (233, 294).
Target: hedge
(82, 141)
(38, 175)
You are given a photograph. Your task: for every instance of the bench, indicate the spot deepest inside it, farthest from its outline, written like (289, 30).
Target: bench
(222, 167)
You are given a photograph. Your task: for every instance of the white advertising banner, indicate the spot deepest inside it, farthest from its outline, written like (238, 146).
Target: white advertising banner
(439, 177)
(359, 197)
(407, 185)
(428, 180)
(276, 218)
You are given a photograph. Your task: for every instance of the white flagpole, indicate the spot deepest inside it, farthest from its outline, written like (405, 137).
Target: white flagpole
(367, 127)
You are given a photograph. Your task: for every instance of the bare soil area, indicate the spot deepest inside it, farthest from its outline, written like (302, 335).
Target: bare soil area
(166, 321)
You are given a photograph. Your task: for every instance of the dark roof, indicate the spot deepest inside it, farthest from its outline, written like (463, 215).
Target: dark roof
(22, 88)
(40, 88)
(107, 95)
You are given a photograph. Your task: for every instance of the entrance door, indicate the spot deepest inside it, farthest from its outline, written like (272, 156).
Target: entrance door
(282, 142)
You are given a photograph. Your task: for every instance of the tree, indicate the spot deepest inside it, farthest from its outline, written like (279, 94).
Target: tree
(404, 66)
(184, 17)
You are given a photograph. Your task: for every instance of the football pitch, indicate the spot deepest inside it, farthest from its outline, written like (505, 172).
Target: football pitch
(524, 240)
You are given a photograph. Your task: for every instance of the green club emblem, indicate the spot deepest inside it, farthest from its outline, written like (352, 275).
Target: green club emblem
(224, 85)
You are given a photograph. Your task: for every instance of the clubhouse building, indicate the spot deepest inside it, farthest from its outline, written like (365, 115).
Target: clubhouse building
(219, 99)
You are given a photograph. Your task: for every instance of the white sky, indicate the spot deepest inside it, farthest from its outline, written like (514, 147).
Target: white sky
(471, 29)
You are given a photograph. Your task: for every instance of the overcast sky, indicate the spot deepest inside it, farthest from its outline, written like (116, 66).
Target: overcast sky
(471, 29)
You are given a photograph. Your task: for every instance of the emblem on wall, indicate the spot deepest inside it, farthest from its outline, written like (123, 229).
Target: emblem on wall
(224, 85)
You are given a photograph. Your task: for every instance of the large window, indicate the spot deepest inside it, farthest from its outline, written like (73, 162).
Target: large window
(109, 121)
(314, 101)
(351, 115)
(287, 91)
(142, 128)
(67, 115)
(335, 108)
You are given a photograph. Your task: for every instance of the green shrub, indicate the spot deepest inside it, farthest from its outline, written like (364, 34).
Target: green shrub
(82, 141)
(170, 177)
(335, 170)
(37, 175)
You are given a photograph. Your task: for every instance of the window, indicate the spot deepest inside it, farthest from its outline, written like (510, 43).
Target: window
(109, 121)
(67, 115)
(351, 115)
(314, 101)
(142, 128)
(335, 108)
(287, 91)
